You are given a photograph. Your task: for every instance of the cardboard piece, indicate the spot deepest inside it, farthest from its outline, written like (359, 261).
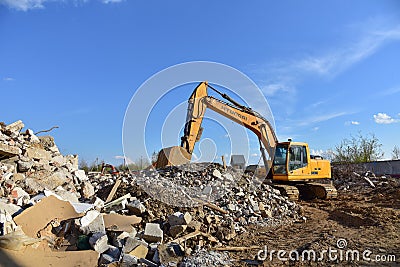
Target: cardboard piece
(122, 223)
(42, 256)
(35, 218)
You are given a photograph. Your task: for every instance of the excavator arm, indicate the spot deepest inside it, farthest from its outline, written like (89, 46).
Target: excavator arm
(199, 101)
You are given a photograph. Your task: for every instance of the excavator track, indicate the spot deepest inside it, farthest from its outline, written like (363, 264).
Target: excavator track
(317, 190)
(324, 191)
(287, 190)
(307, 191)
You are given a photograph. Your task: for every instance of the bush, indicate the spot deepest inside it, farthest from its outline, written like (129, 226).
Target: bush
(358, 149)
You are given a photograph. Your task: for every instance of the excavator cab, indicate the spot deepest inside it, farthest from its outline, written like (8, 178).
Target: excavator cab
(293, 162)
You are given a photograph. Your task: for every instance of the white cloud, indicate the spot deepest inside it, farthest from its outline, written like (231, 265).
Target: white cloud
(128, 160)
(391, 91)
(330, 63)
(383, 118)
(25, 5)
(352, 123)
(8, 79)
(274, 88)
(111, 1)
(321, 118)
(315, 128)
(336, 61)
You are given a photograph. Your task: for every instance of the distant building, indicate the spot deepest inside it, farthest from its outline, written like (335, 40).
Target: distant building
(238, 162)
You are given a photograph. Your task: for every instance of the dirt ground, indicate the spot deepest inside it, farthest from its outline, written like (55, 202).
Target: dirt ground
(366, 221)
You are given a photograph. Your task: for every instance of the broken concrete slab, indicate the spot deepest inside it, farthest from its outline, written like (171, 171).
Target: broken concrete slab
(16, 240)
(92, 222)
(15, 126)
(99, 241)
(179, 218)
(8, 151)
(139, 251)
(136, 207)
(117, 222)
(38, 153)
(87, 189)
(35, 218)
(128, 261)
(153, 233)
(131, 243)
(42, 256)
(81, 175)
(7, 224)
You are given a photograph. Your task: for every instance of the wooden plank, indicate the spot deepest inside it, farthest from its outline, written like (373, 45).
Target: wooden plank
(113, 190)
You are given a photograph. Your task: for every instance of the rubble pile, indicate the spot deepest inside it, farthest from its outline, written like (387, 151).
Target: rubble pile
(353, 177)
(204, 258)
(53, 212)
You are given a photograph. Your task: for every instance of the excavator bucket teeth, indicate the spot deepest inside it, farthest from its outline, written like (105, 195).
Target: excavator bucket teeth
(172, 156)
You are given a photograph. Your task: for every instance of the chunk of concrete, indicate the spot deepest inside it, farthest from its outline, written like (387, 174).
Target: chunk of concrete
(118, 222)
(217, 174)
(153, 233)
(37, 153)
(9, 151)
(58, 160)
(129, 261)
(178, 218)
(87, 189)
(18, 177)
(139, 252)
(15, 126)
(106, 259)
(113, 252)
(98, 241)
(81, 175)
(37, 217)
(131, 243)
(118, 239)
(136, 207)
(92, 222)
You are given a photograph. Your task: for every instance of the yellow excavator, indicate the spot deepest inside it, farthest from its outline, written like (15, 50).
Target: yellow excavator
(294, 171)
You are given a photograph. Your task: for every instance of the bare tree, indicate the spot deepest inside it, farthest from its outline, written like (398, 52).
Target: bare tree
(358, 149)
(396, 152)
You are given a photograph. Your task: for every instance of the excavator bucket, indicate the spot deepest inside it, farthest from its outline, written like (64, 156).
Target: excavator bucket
(172, 156)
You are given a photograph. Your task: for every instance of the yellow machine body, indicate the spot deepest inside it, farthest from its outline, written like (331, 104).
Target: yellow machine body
(293, 162)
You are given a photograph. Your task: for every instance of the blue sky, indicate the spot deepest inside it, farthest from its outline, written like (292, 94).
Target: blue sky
(327, 68)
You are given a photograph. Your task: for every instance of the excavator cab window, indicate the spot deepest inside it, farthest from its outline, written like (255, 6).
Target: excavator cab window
(297, 157)
(280, 159)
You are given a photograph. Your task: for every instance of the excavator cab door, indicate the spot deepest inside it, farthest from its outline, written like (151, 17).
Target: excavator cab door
(298, 160)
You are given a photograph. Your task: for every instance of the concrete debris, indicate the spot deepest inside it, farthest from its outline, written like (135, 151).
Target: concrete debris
(92, 222)
(124, 220)
(153, 233)
(356, 178)
(98, 241)
(204, 258)
(136, 207)
(178, 218)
